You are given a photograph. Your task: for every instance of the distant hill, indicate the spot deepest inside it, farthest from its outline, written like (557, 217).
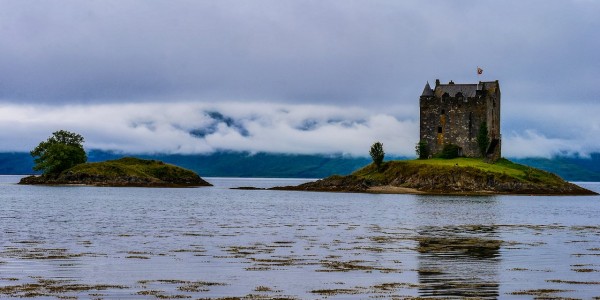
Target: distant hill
(242, 164)
(569, 168)
(16, 163)
(222, 164)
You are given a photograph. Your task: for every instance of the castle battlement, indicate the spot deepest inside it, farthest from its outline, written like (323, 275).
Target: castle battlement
(452, 114)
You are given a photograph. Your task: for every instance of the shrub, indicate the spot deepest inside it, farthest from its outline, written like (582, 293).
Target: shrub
(449, 151)
(421, 149)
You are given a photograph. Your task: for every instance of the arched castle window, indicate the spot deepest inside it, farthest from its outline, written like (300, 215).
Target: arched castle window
(443, 112)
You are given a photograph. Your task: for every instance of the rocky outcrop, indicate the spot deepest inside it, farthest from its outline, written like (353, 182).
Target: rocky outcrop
(101, 180)
(334, 183)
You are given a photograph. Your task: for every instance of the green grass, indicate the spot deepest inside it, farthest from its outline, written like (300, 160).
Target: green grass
(502, 168)
(132, 167)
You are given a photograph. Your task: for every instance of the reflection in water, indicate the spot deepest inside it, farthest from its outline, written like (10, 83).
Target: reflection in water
(455, 257)
(459, 261)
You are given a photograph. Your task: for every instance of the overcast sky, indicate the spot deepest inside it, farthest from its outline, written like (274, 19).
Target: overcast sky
(292, 76)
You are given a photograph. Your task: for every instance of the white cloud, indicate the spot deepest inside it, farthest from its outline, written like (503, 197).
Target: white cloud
(168, 128)
(533, 144)
(547, 130)
(197, 127)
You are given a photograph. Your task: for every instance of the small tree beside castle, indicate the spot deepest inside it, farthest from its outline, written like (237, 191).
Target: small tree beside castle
(483, 140)
(377, 154)
(422, 150)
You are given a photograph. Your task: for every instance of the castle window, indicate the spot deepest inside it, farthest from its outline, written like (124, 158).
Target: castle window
(443, 112)
(445, 97)
(439, 129)
(470, 125)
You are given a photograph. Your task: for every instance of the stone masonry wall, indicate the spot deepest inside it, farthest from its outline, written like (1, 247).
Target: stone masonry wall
(456, 120)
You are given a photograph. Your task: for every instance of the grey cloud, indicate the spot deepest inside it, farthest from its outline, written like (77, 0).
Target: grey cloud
(217, 119)
(336, 52)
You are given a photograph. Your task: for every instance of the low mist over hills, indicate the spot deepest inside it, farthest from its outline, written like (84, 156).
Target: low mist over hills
(243, 164)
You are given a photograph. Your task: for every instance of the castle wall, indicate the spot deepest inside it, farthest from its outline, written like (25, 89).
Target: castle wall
(493, 119)
(455, 118)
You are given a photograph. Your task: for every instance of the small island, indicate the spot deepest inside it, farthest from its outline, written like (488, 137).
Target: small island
(459, 152)
(124, 172)
(458, 176)
(63, 161)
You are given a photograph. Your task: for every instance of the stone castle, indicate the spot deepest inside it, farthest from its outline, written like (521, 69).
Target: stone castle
(452, 114)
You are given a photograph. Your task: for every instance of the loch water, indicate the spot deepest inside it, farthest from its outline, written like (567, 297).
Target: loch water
(213, 242)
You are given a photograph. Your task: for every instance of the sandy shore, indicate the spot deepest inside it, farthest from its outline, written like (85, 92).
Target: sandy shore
(388, 189)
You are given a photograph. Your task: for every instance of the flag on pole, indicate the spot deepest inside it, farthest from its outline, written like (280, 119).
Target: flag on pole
(479, 71)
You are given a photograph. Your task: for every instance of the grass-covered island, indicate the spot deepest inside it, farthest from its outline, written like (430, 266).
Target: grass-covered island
(447, 176)
(122, 172)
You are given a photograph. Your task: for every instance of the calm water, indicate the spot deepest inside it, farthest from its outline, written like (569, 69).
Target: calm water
(215, 242)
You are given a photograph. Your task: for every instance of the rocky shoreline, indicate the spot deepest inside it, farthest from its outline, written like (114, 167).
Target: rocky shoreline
(124, 181)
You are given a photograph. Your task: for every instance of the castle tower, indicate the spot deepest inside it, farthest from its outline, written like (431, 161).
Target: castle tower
(452, 114)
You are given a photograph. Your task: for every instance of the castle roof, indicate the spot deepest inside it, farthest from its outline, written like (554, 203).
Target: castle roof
(427, 91)
(467, 90)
